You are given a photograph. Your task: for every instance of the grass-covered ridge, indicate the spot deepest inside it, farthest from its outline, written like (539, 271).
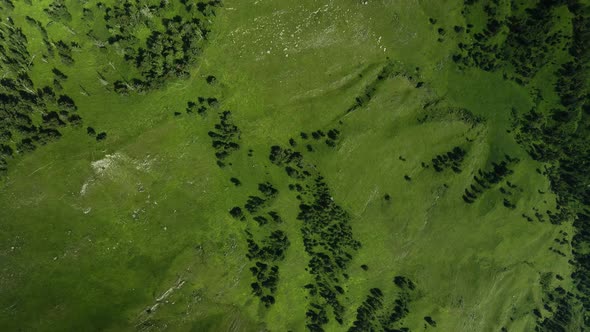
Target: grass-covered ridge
(294, 165)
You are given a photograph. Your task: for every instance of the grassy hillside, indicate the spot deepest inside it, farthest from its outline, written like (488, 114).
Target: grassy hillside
(294, 165)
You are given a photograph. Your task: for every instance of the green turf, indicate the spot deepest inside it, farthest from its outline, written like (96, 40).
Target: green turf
(92, 233)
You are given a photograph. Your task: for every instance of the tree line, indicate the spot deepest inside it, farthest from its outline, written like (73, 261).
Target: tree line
(30, 116)
(485, 180)
(224, 138)
(376, 314)
(172, 48)
(555, 134)
(327, 237)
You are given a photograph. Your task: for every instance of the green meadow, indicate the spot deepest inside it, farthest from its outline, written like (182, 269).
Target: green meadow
(386, 140)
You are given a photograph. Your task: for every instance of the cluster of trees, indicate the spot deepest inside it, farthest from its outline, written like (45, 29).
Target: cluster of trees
(572, 91)
(58, 78)
(531, 38)
(99, 136)
(29, 116)
(567, 133)
(559, 307)
(537, 214)
(558, 136)
(327, 237)
(280, 156)
(167, 53)
(270, 249)
(370, 90)
(207, 8)
(57, 10)
(508, 192)
(404, 283)
(452, 159)
(521, 44)
(557, 133)
(64, 50)
(291, 160)
(6, 5)
(581, 253)
(437, 114)
(486, 180)
(88, 16)
(367, 312)
(563, 146)
(48, 44)
(316, 315)
(376, 315)
(256, 203)
(556, 218)
(333, 136)
(15, 55)
(171, 53)
(202, 105)
(557, 251)
(267, 190)
(224, 138)
(126, 16)
(401, 306)
(266, 282)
